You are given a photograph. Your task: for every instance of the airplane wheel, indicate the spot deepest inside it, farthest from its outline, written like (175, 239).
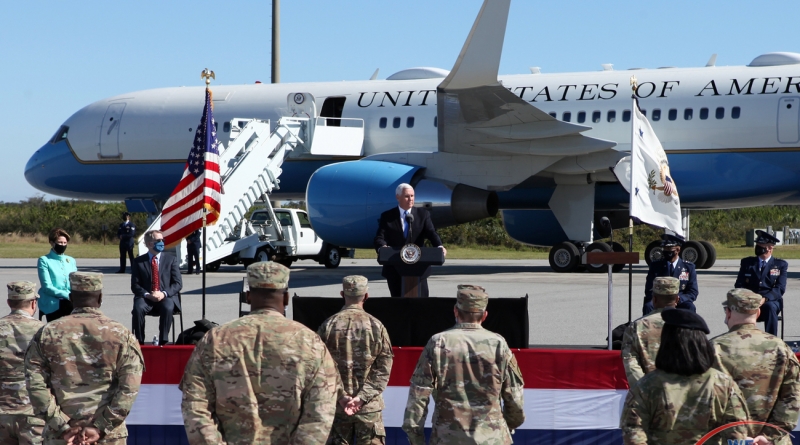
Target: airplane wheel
(694, 252)
(597, 247)
(653, 252)
(564, 257)
(712, 255)
(617, 247)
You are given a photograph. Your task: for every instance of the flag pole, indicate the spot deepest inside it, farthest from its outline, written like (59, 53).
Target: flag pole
(630, 270)
(204, 263)
(634, 85)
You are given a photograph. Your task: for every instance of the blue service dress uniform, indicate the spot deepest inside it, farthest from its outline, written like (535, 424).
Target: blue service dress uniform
(126, 233)
(769, 282)
(683, 271)
(193, 245)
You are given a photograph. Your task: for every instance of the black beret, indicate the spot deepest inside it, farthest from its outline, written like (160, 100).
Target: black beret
(671, 240)
(685, 319)
(765, 238)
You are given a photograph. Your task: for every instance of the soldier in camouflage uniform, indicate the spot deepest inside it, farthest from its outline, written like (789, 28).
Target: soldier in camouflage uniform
(684, 398)
(642, 337)
(469, 371)
(361, 348)
(84, 370)
(17, 423)
(763, 366)
(260, 379)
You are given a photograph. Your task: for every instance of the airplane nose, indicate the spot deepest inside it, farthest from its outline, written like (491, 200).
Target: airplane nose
(43, 166)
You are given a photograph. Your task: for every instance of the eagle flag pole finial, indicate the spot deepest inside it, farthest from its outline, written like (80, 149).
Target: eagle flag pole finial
(207, 74)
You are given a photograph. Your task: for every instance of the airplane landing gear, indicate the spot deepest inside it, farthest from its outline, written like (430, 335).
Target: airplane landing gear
(564, 257)
(701, 253)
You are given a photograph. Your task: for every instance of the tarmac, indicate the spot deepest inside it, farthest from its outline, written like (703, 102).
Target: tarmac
(565, 310)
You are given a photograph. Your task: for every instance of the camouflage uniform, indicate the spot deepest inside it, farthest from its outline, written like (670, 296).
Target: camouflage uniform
(468, 370)
(84, 370)
(17, 423)
(764, 367)
(643, 336)
(260, 379)
(666, 408)
(361, 348)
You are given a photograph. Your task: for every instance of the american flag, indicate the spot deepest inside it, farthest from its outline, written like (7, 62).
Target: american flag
(199, 187)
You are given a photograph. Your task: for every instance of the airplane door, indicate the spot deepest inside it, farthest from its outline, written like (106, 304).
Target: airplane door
(788, 120)
(109, 131)
(302, 105)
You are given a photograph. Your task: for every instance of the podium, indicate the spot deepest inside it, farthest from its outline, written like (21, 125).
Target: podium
(411, 262)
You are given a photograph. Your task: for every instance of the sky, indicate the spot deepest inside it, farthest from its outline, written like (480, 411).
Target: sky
(57, 57)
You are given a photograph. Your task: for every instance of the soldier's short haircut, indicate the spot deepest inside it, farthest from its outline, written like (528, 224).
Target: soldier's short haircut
(267, 293)
(470, 317)
(82, 298)
(56, 233)
(354, 299)
(664, 299)
(148, 236)
(399, 190)
(19, 304)
(684, 351)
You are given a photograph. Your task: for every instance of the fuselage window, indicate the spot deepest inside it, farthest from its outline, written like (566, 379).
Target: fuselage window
(566, 116)
(396, 122)
(553, 113)
(612, 116)
(226, 127)
(382, 122)
(656, 114)
(687, 114)
(644, 112)
(410, 122)
(626, 116)
(704, 113)
(735, 111)
(436, 121)
(596, 116)
(581, 117)
(673, 114)
(720, 112)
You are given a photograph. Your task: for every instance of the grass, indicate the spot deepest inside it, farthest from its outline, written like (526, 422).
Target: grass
(34, 246)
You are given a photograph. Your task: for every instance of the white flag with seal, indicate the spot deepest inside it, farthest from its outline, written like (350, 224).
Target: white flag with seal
(646, 176)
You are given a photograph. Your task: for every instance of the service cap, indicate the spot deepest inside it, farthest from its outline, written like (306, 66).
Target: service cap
(743, 301)
(354, 285)
(765, 238)
(86, 281)
(471, 299)
(267, 275)
(668, 240)
(686, 319)
(21, 290)
(666, 286)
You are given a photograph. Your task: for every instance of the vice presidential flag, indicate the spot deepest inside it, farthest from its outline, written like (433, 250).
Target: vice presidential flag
(645, 173)
(199, 187)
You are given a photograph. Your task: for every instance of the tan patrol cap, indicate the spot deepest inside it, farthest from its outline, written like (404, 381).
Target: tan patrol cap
(354, 285)
(471, 298)
(666, 286)
(743, 301)
(267, 275)
(85, 281)
(21, 290)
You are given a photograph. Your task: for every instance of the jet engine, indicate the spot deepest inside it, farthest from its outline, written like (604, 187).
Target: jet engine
(345, 200)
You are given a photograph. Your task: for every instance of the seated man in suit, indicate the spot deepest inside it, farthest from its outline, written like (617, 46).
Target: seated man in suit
(155, 282)
(402, 225)
(766, 276)
(672, 266)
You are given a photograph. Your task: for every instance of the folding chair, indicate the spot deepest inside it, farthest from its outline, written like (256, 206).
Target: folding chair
(177, 312)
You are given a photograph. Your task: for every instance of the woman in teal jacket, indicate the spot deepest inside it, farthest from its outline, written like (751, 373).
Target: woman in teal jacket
(54, 269)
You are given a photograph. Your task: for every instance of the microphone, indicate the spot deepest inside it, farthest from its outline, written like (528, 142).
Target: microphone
(410, 222)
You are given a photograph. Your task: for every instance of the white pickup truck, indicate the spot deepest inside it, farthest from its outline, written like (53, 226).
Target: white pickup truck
(295, 240)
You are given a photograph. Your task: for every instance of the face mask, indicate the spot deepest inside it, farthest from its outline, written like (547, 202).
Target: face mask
(760, 250)
(669, 254)
(159, 246)
(60, 249)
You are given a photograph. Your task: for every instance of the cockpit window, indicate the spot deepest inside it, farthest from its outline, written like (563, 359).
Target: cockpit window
(60, 135)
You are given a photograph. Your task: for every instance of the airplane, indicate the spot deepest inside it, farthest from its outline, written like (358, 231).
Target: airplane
(537, 147)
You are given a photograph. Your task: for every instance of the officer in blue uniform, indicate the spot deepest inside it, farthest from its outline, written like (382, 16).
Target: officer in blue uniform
(765, 275)
(672, 266)
(193, 245)
(126, 233)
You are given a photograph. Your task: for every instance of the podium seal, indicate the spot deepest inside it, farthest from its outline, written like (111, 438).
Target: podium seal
(410, 253)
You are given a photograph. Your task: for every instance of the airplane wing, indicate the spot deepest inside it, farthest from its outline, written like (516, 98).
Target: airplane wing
(477, 115)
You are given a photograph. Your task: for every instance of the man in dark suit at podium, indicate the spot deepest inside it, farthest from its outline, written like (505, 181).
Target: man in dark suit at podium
(402, 225)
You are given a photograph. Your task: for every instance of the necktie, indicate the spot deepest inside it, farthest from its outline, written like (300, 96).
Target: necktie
(761, 265)
(156, 285)
(671, 269)
(405, 225)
